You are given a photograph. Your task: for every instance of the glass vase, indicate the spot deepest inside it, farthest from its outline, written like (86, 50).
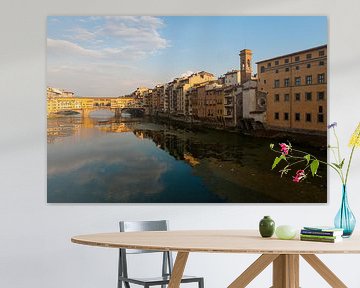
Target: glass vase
(345, 219)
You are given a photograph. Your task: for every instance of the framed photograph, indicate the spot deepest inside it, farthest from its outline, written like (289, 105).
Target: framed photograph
(184, 109)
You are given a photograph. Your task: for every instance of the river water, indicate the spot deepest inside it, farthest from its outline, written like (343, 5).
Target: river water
(108, 160)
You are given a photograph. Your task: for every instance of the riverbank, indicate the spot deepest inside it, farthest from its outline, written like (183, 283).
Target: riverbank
(295, 138)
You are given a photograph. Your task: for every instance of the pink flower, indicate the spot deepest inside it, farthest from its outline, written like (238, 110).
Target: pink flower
(284, 148)
(300, 175)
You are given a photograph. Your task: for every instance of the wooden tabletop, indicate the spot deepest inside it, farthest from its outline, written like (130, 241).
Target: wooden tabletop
(219, 241)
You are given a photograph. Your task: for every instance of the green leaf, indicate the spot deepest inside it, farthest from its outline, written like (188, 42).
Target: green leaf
(271, 146)
(307, 157)
(336, 165)
(342, 163)
(276, 162)
(339, 166)
(314, 167)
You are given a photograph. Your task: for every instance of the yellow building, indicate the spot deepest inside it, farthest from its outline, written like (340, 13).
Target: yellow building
(157, 99)
(296, 87)
(63, 104)
(124, 102)
(207, 101)
(198, 100)
(177, 92)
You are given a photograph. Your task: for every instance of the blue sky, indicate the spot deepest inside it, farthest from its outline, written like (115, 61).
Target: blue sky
(112, 56)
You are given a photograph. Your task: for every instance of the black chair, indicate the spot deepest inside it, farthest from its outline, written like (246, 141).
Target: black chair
(167, 265)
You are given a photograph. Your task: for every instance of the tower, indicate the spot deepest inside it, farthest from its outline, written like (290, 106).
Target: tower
(245, 65)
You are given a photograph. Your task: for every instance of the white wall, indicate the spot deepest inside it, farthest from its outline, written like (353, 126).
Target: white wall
(35, 248)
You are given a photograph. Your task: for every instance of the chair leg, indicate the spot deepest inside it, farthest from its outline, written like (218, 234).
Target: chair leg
(201, 283)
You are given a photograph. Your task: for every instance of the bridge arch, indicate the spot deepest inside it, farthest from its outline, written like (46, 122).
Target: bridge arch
(134, 111)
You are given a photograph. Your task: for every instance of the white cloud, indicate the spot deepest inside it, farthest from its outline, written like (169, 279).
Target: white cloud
(96, 53)
(92, 79)
(65, 48)
(126, 37)
(187, 73)
(82, 34)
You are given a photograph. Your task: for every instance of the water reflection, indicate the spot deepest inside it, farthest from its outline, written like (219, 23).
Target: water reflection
(135, 160)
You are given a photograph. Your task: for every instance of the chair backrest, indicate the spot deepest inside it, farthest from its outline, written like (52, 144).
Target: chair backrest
(135, 226)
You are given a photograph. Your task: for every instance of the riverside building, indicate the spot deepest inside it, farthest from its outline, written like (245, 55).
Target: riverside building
(296, 88)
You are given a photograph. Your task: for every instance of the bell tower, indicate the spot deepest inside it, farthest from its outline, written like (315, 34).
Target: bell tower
(245, 65)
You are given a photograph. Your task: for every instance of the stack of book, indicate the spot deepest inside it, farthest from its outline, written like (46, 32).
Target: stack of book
(321, 234)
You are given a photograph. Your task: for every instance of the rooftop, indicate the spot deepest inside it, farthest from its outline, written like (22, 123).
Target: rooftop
(294, 53)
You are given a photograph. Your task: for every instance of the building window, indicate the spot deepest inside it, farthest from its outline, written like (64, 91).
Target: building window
(308, 65)
(264, 81)
(276, 115)
(321, 63)
(297, 67)
(297, 58)
(321, 118)
(277, 83)
(286, 97)
(277, 98)
(321, 78)
(286, 60)
(308, 117)
(308, 56)
(320, 96)
(276, 71)
(321, 109)
(287, 69)
(297, 81)
(308, 80)
(262, 69)
(321, 53)
(297, 97)
(297, 116)
(308, 96)
(286, 116)
(269, 64)
(277, 62)
(287, 82)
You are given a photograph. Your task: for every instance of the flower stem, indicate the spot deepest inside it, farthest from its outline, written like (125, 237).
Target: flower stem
(339, 171)
(337, 144)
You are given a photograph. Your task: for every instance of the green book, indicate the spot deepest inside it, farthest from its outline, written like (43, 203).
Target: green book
(325, 240)
(323, 228)
(319, 236)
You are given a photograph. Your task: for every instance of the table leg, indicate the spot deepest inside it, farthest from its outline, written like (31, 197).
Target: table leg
(253, 270)
(286, 271)
(324, 271)
(178, 269)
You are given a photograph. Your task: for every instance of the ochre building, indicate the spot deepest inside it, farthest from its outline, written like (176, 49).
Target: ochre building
(296, 88)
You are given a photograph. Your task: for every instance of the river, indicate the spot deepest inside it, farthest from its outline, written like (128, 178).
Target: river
(108, 160)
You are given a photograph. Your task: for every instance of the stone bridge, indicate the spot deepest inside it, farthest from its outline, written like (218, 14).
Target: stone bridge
(134, 111)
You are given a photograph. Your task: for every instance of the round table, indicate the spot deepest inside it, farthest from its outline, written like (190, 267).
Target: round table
(284, 254)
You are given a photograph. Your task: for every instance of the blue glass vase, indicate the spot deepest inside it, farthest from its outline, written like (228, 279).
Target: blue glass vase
(345, 219)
